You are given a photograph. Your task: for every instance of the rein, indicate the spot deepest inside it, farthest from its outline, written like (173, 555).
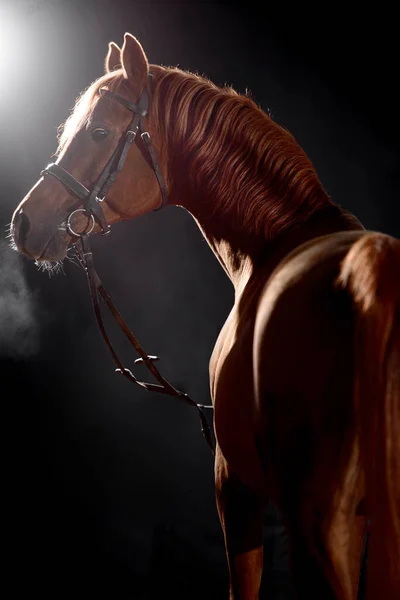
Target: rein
(97, 289)
(91, 201)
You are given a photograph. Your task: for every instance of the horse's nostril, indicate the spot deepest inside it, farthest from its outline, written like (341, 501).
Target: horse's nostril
(21, 227)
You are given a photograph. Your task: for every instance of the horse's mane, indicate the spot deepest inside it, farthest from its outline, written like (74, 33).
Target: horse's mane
(249, 166)
(84, 107)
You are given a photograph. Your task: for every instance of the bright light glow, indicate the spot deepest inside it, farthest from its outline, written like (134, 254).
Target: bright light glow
(26, 36)
(14, 35)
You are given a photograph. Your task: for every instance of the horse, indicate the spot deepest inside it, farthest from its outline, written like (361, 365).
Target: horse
(305, 373)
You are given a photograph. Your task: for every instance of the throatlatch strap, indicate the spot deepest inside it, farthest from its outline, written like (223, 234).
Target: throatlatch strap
(156, 167)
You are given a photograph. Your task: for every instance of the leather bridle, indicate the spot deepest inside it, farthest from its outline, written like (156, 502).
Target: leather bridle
(91, 205)
(91, 200)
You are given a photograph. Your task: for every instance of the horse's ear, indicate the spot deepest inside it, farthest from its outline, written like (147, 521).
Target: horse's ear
(113, 58)
(134, 61)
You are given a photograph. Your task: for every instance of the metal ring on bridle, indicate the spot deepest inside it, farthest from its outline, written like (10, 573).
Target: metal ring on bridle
(69, 227)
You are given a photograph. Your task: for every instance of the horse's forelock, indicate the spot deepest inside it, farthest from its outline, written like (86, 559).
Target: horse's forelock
(84, 106)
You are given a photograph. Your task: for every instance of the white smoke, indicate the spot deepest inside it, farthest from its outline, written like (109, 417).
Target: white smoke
(19, 331)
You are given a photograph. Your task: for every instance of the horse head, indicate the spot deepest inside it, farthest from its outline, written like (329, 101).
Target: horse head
(109, 133)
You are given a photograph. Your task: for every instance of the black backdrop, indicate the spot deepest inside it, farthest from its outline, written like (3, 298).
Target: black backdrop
(108, 490)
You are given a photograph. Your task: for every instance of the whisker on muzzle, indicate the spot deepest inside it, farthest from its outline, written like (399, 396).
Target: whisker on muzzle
(52, 268)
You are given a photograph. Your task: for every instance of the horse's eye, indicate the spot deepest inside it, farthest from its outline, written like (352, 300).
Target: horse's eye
(99, 134)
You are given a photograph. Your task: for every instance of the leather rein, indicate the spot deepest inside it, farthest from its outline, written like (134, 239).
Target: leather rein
(91, 202)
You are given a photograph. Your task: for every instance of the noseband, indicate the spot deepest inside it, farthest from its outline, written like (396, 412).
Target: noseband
(92, 199)
(91, 205)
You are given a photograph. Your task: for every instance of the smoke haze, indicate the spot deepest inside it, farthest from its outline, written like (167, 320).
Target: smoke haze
(19, 332)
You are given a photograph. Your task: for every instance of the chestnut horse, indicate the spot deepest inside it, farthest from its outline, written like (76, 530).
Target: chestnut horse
(305, 374)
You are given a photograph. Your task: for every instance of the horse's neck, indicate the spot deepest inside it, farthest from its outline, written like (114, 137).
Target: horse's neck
(243, 255)
(237, 252)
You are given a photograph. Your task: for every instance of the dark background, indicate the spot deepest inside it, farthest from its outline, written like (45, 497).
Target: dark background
(107, 490)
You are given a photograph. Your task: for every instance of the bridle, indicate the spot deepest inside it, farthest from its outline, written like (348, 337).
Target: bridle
(91, 200)
(91, 205)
